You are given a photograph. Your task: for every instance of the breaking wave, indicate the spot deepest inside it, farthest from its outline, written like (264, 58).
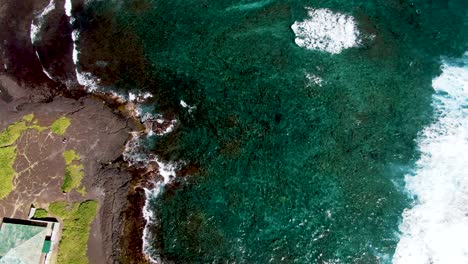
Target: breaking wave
(326, 31)
(435, 229)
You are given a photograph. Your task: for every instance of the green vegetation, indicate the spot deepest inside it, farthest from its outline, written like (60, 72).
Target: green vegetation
(12, 133)
(77, 220)
(73, 176)
(29, 117)
(33, 123)
(7, 173)
(8, 138)
(37, 127)
(81, 190)
(70, 156)
(40, 213)
(60, 125)
(73, 172)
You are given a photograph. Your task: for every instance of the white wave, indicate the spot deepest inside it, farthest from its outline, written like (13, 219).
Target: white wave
(34, 32)
(150, 218)
(39, 19)
(36, 25)
(435, 230)
(136, 155)
(326, 31)
(139, 97)
(155, 124)
(91, 82)
(85, 79)
(314, 79)
(248, 6)
(185, 105)
(168, 171)
(43, 69)
(168, 129)
(68, 8)
(75, 36)
(145, 116)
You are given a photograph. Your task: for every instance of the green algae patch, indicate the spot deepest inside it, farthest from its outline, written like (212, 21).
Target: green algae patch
(60, 125)
(73, 172)
(7, 173)
(77, 219)
(40, 213)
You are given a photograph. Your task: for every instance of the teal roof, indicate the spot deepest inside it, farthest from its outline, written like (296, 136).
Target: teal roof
(21, 243)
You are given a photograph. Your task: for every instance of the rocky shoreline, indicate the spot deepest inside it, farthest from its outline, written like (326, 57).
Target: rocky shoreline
(116, 234)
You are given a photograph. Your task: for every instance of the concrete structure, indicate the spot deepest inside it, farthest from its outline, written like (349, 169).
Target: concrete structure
(28, 241)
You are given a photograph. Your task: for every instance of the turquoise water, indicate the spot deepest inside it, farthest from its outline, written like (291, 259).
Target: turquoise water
(290, 172)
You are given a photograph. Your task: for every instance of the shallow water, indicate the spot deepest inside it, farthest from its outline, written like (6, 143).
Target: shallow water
(302, 153)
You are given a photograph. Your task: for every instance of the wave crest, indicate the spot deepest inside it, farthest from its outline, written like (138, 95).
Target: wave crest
(435, 230)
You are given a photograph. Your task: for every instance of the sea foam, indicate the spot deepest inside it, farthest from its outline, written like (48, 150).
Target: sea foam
(38, 21)
(327, 31)
(137, 156)
(435, 229)
(43, 69)
(313, 79)
(36, 27)
(248, 6)
(68, 8)
(150, 219)
(85, 79)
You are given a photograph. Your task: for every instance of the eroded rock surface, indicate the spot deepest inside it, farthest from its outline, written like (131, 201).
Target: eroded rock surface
(38, 76)
(97, 134)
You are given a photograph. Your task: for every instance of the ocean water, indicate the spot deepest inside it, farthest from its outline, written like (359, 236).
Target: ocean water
(435, 229)
(305, 121)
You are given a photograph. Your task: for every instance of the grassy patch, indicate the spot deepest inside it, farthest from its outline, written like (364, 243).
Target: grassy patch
(60, 125)
(73, 175)
(7, 173)
(37, 127)
(40, 213)
(8, 138)
(73, 172)
(82, 190)
(12, 133)
(77, 220)
(70, 156)
(29, 117)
